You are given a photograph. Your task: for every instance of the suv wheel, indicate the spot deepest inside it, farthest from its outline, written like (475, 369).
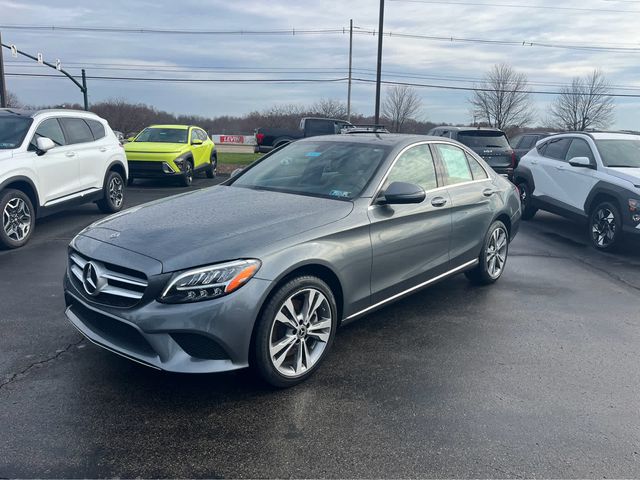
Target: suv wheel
(493, 257)
(605, 226)
(213, 167)
(528, 210)
(113, 199)
(295, 331)
(187, 175)
(18, 218)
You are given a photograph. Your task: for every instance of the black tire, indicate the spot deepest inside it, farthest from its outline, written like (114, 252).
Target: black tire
(187, 176)
(213, 167)
(482, 274)
(528, 211)
(605, 227)
(18, 219)
(113, 191)
(267, 327)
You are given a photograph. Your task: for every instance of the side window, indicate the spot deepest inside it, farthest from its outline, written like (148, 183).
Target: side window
(77, 130)
(203, 135)
(194, 135)
(97, 129)
(414, 166)
(476, 169)
(557, 149)
(456, 168)
(50, 128)
(579, 148)
(528, 141)
(516, 141)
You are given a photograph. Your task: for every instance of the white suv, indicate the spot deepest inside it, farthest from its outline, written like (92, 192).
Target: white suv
(586, 176)
(50, 159)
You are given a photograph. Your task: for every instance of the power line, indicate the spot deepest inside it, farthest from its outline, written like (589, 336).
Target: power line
(290, 31)
(511, 5)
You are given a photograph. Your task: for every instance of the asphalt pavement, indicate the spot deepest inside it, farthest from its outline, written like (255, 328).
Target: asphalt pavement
(536, 376)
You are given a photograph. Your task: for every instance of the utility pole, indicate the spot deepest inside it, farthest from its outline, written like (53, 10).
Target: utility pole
(3, 86)
(84, 90)
(379, 71)
(350, 62)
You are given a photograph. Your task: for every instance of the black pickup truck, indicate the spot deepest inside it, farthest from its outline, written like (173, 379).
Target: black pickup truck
(268, 138)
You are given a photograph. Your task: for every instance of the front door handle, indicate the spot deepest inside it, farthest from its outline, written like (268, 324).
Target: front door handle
(487, 192)
(534, 162)
(103, 149)
(439, 202)
(70, 154)
(559, 167)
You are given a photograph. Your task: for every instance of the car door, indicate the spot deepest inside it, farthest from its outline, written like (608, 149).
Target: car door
(79, 135)
(94, 163)
(198, 150)
(576, 182)
(410, 243)
(544, 169)
(472, 197)
(57, 169)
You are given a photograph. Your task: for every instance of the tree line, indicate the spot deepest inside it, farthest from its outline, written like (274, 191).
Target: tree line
(503, 99)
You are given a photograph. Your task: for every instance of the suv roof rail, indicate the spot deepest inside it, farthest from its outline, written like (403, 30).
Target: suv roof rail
(365, 128)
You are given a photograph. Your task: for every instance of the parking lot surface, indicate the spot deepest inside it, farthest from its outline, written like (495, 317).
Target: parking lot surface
(536, 376)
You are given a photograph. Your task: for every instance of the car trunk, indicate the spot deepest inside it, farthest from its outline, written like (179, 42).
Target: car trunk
(492, 146)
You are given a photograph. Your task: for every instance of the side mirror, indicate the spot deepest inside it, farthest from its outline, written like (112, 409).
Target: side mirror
(131, 139)
(44, 144)
(583, 162)
(196, 141)
(402, 193)
(236, 172)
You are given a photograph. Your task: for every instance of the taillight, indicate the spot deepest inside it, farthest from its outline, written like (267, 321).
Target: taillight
(513, 159)
(259, 138)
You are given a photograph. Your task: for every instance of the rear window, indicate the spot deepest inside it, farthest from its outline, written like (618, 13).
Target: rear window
(77, 130)
(96, 128)
(483, 139)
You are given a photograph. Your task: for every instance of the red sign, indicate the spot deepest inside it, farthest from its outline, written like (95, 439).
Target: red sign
(232, 139)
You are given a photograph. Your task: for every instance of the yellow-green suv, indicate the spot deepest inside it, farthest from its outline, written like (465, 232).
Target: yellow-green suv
(171, 151)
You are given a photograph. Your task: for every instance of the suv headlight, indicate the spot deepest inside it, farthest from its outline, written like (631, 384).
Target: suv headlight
(209, 282)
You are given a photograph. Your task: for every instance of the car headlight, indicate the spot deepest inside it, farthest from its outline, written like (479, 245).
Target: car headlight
(210, 282)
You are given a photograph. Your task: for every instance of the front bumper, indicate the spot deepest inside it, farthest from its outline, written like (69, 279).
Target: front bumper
(152, 169)
(202, 337)
(631, 230)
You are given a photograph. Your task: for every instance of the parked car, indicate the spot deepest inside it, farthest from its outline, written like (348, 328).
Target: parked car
(171, 151)
(525, 142)
(53, 159)
(262, 269)
(268, 138)
(490, 143)
(586, 176)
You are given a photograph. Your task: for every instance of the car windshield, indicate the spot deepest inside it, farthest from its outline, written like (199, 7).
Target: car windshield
(338, 170)
(620, 153)
(13, 130)
(163, 135)
(483, 139)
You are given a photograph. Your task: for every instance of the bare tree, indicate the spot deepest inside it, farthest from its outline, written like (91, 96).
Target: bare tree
(502, 99)
(585, 103)
(401, 104)
(330, 108)
(12, 100)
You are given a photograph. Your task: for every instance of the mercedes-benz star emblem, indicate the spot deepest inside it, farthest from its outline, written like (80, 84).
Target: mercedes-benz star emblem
(92, 281)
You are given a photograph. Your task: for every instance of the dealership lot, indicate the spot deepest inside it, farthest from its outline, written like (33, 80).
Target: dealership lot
(536, 376)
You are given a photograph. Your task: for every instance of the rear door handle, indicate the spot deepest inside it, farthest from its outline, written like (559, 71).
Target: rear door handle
(559, 167)
(534, 162)
(439, 202)
(70, 154)
(103, 149)
(487, 192)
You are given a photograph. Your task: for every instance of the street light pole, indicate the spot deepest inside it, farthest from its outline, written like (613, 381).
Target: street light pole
(350, 62)
(379, 71)
(3, 86)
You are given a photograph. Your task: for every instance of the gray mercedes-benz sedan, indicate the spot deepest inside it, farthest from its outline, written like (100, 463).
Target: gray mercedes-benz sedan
(262, 269)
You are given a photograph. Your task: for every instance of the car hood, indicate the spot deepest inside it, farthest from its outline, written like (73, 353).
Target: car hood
(154, 147)
(629, 174)
(214, 224)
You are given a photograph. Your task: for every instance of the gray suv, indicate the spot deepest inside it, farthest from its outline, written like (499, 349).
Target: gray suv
(262, 270)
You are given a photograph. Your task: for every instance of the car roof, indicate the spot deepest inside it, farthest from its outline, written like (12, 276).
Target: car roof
(459, 129)
(601, 135)
(175, 127)
(21, 112)
(386, 139)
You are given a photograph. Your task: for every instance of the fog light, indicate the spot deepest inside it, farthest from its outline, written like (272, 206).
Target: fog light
(166, 168)
(636, 218)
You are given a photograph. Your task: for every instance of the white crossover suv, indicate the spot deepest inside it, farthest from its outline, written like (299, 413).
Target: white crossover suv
(592, 176)
(51, 159)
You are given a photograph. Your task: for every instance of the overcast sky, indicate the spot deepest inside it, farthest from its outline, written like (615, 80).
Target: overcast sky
(608, 23)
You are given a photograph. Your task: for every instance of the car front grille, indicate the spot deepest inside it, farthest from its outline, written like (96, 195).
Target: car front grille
(114, 285)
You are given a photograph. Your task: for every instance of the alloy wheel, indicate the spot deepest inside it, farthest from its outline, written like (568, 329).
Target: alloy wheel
(603, 227)
(116, 191)
(16, 219)
(497, 252)
(188, 172)
(300, 332)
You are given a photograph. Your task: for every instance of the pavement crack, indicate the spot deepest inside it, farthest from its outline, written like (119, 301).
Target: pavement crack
(52, 358)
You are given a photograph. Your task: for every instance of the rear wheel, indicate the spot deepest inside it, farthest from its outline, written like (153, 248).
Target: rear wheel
(295, 331)
(213, 167)
(187, 174)
(605, 226)
(18, 218)
(493, 257)
(113, 199)
(528, 210)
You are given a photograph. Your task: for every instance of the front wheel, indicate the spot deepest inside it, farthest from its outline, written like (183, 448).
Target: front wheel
(493, 256)
(295, 331)
(605, 226)
(528, 210)
(187, 175)
(113, 191)
(18, 218)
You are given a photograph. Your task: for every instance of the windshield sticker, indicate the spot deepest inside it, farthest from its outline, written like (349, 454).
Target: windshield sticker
(340, 193)
(313, 154)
